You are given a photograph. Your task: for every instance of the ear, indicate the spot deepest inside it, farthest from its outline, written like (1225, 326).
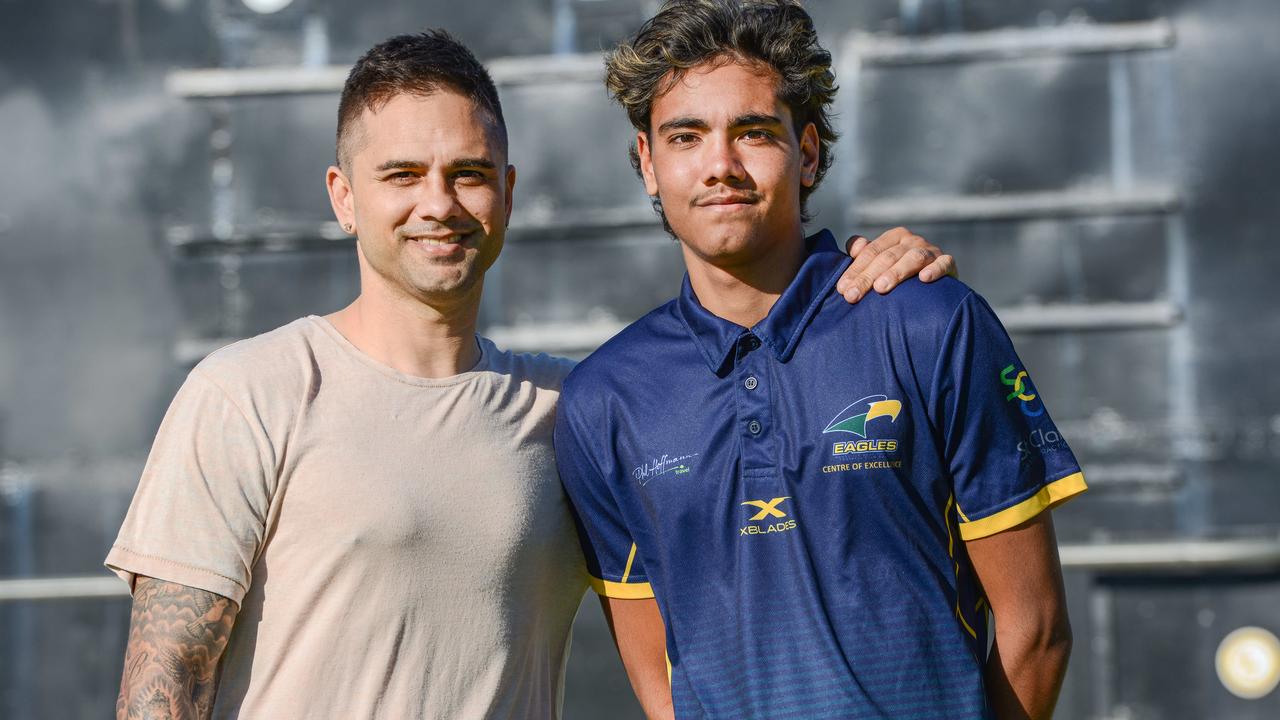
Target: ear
(510, 192)
(341, 198)
(809, 155)
(644, 151)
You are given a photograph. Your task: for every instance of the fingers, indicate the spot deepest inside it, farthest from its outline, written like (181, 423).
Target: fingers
(872, 261)
(910, 263)
(882, 264)
(941, 267)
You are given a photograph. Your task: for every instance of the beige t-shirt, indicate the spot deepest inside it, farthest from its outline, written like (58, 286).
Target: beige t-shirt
(400, 547)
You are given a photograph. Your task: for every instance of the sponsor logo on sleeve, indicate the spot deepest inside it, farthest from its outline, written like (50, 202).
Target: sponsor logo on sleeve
(1023, 391)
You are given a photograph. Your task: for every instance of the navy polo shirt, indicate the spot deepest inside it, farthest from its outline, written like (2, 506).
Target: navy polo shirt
(795, 495)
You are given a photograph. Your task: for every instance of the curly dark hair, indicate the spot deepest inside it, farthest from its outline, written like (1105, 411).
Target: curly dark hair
(688, 33)
(417, 64)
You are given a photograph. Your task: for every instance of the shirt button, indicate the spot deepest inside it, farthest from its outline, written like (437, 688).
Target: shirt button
(751, 342)
(751, 383)
(753, 427)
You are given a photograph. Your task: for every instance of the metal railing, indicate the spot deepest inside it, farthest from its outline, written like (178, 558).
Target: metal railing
(1260, 554)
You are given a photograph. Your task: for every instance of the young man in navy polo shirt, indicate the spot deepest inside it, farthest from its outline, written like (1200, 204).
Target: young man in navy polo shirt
(821, 500)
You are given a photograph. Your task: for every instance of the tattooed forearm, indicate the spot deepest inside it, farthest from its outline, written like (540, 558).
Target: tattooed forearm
(176, 637)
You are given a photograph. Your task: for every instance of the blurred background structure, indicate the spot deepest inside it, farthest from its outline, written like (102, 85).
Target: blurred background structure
(1106, 171)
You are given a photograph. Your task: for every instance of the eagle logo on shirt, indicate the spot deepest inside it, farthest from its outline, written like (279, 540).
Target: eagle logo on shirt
(854, 418)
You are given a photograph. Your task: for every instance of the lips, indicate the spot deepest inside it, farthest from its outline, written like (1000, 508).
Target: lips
(727, 200)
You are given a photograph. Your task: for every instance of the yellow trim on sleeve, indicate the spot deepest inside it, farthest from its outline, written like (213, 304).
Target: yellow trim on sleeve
(626, 572)
(621, 591)
(1051, 495)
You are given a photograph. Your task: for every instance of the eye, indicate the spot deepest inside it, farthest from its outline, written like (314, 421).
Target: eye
(757, 134)
(404, 177)
(682, 139)
(470, 177)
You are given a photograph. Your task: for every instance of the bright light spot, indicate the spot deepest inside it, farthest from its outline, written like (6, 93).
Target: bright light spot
(1248, 662)
(267, 7)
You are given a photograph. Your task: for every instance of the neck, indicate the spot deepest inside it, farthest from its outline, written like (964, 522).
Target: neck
(411, 335)
(743, 292)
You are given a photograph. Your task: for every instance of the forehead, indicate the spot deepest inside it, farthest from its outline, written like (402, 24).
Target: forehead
(720, 91)
(435, 126)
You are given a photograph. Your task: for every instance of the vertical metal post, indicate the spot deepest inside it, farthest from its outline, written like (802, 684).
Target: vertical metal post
(909, 15)
(1102, 650)
(850, 80)
(564, 28)
(1120, 88)
(17, 493)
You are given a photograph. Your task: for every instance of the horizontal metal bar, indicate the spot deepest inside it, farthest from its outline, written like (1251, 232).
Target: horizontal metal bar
(1133, 475)
(1095, 316)
(210, 83)
(544, 69)
(1014, 206)
(1127, 557)
(255, 81)
(186, 353)
(62, 588)
(555, 337)
(1173, 556)
(1011, 43)
(192, 240)
(579, 337)
(577, 223)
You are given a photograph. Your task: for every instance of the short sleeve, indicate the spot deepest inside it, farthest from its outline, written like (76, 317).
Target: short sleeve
(610, 552)
(1007, 459)
(198, 516)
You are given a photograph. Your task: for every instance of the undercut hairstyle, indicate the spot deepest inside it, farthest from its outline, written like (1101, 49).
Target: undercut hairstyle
(777, 34)
(414, 64)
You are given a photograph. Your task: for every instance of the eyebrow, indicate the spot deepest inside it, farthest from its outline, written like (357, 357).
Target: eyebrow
(693, 123)
(684, 123)
(755, 119)
(473, 162)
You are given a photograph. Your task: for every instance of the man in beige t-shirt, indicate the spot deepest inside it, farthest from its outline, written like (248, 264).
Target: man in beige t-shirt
(358, 516)
(398, 546)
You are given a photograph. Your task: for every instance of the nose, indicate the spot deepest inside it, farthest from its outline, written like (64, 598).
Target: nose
(436, 199)
(723, 163)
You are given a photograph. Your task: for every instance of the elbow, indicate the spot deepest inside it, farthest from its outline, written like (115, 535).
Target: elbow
(1058, 642)
(1042, 638)
(1053, 639)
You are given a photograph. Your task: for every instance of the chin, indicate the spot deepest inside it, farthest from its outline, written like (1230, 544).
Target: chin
(727, 244)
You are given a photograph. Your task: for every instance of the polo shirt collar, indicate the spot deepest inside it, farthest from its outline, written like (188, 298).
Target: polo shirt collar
(781, 329)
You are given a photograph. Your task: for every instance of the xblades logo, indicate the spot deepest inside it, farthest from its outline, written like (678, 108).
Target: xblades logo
(767, 509)
(1023, 391)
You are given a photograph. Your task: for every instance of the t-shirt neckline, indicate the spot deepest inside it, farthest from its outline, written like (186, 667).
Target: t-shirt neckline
(349, 348)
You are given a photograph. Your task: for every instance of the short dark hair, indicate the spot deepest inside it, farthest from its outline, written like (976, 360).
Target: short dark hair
(417, 64)
(688, 33)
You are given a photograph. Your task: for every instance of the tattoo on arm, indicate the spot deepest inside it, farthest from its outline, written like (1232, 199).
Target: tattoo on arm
(176, 637)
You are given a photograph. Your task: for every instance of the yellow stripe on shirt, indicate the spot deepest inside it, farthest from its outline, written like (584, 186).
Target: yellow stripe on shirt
(1051, 495)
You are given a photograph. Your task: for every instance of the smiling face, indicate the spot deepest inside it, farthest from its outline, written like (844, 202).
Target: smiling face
(428, 191)
(724, 158)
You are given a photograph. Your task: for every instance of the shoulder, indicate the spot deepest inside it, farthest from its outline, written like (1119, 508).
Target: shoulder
(621, 363)
(937, 301)
(542, 370)
(926, 309)
(632, 349)
(279, 365)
